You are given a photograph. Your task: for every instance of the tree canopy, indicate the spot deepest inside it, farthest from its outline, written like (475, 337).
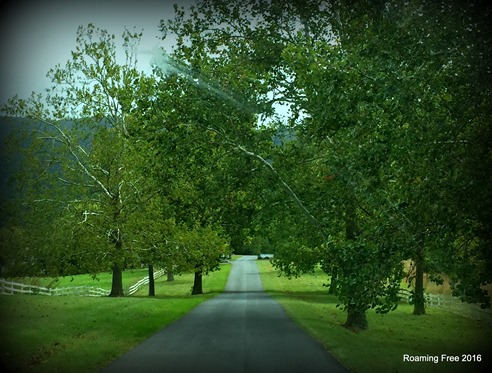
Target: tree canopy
(384, 99)
(348, 135)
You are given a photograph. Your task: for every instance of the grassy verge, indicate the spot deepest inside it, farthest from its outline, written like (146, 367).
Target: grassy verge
(389, 338)
(82, 334)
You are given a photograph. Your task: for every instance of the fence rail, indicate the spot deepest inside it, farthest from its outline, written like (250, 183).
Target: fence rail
(134, 288)
(452, 304)
(9, 287)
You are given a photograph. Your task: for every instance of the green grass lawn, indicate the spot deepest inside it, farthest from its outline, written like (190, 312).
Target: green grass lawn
(389, 338)
(82, 334)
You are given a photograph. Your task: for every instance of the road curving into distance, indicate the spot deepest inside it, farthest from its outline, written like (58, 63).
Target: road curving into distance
(241, 330)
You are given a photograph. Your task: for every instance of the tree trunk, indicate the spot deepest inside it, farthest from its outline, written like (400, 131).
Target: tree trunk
(170, 275)
(117, 281)
(350, 221)
(356, 319)
(418, 299)
(333, 284)
(197, 283)
(151, 281)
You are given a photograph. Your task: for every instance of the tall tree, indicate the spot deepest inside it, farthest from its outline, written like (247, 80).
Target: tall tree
(383, 102)
(188, 166)
(423, 74)
(83, 154)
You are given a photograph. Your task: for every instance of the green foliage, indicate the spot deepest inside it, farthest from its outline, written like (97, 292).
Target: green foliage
(378, 99)
(78, 185)
(377, 282)
(383, 155)
(137, 179)
(260, 245)
(385, 101)
(202, 247)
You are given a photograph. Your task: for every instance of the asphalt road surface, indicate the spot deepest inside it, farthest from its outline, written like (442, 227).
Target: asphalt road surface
(240, 330)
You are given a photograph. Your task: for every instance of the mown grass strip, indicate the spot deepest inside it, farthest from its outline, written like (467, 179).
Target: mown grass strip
(82, 334)
(390, 337)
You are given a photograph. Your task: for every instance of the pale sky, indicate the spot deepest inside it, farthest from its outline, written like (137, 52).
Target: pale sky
(37, 35)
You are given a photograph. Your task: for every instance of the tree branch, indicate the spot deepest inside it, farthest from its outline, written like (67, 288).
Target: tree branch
(285, 186)
(66, 140)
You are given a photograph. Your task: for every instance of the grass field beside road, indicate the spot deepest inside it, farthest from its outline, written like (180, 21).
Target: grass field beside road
(81, 334)
(389, 338)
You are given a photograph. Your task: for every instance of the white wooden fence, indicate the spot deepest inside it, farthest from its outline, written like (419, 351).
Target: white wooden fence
(9, 287)
(134, 288)
(452, 304)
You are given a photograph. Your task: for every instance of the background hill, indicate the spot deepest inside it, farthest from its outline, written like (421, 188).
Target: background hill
(9, 160)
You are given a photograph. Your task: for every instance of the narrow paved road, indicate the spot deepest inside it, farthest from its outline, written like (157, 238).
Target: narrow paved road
(240, 330)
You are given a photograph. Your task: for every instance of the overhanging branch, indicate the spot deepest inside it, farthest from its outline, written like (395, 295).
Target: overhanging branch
(282, 182)
(286, 187)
